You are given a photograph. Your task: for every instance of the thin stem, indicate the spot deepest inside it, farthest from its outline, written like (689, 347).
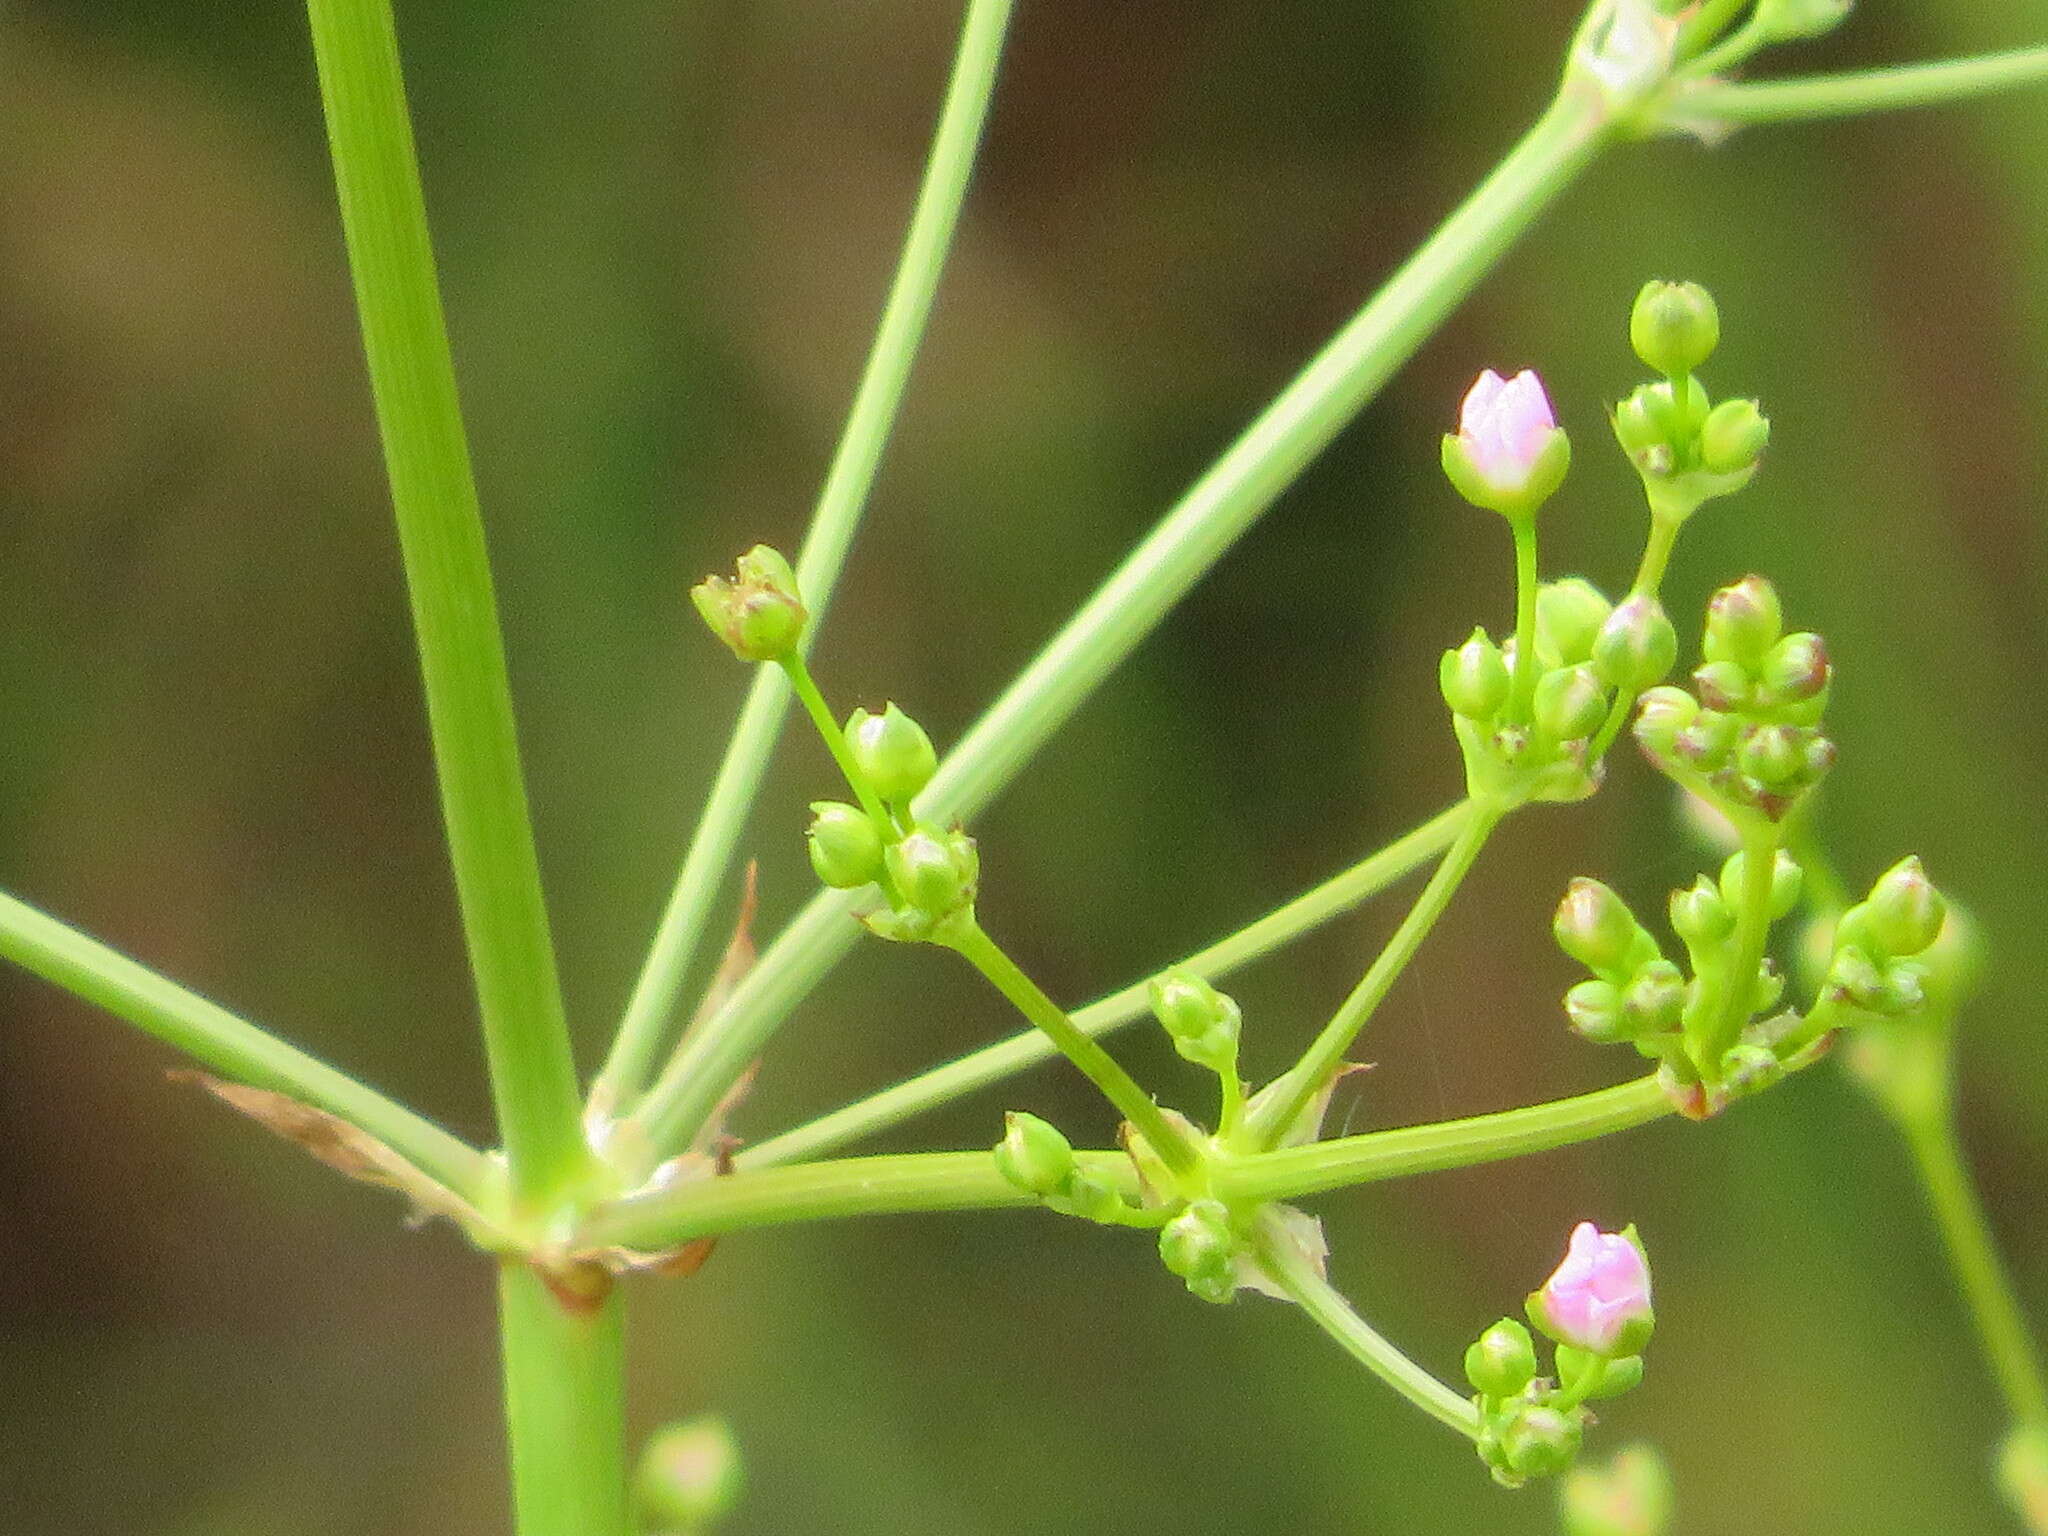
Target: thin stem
(847, 485)
(1521, 700)
(992, 1063)
(1291, 1093)
(1299, 1277)
(1715, 105)
(1664, 528)
(1752, 936)
(835, 742)
(564, 1402)
(231, 1046)
(983, 953)
(1221, 505)
(1732, 50)
(462, 661)
(959, 1181)
(1979, 1271)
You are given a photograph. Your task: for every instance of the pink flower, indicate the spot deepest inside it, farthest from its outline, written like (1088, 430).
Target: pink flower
(1599, 1298)
(1508, 454)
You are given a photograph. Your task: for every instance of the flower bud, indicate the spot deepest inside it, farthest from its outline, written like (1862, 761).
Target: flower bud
(1707, 742)
(1569, 615)
(1674, 327)
(1630, 1496)
(1786, 877)
(1699, 915)
(1198, 1246)
(935, 875)
(1595, 927)
(1786, 21)
(1773, 755)
(1202, 1022)
(1598, 1299)
(1540, 1441)
(1743, 623)
(1508, 455)
(1796, 669)
(1749, 1068)
(1610, 1378)
(1639, 425)
(1653, 1000)
(689, 1475)
(1502, 1360)
(1637, 645)
(1593, 1009)
(846, 850)
(1661, 714)
(1733, 437)
(758, 614)
(892, 753)
(1723, 686)
(1474, 678)
(1904, 911)
(1570, 703)
(1033, 1155)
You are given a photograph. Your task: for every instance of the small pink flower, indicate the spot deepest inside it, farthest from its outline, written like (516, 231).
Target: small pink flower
(1599, 1298)
(1508, 454)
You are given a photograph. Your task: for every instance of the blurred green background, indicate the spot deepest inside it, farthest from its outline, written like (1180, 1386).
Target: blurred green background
(665, 230)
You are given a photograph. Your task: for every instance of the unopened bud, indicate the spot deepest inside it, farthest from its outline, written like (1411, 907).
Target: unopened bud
(1733, 437)
(846, 850)
(1570, 703)
(1595, 927)
(1905, 911)
(1674, 327)
(1569, 614)
(1540, 1441)
(1033, 1155)
(1744, 621)
(1661, 714)
(892, 753)
(1785, 882)
(1699, 915)
(1502, 1360)
(1637, 645)
(934, 874)
(1653, 1000)
(1796, 669)
(1474, 678)
(758, 613)
(1198, 1246)
(1509, 455)
(1723, 686)
(689, 1475)
(1593, 1009)
(1203, 1023)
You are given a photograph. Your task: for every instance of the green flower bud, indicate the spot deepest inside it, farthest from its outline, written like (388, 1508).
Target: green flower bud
(1502, 1360)
(1474, 678)
(846, 850)
(1202, 1022)
(1786, 21)
(1796, 669)
(1749, 1068)
(1569, 614)
(1570, 703)
(1744, 621)
(1724, 686)
(892, 753)
(1773, 755)
(1785, 882)
(1630, 1496)
(1905, 912)
(935, 875)
(1707, 742)
(1639, 426)
(1733, 437)
(1699, 915)
(1661, 714)
(1637, 645)
(1674, 327)
(1540, 1441)
(1198, 1246)
(1595, 927)
(1653, 1000)
(1853, 977)
(758, 614)
(689, 1475)
(1611, 1378)
(1034, 1156)
(1593, 1009)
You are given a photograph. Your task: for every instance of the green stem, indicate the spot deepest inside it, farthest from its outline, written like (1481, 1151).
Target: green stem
(1300, 1278)
(1716, 107)
(1760, 842)
(564, 1372)
(983, 953)
(231, 1046)
(1732, 50)
(958, 1181)
(1707, 23)
(462, 661)
(876, 404)
(835, 742)
(1657, 548)
(1194, 535)
(1289, 1096)
(1979, 1271)
(1520, 702)
(992, 1063)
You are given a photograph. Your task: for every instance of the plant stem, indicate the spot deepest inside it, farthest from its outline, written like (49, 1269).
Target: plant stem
(1664, 528)
(835, 742)
(950, 1181)
(231, 1046)
(992, 1063)
(1979, 1271)
(1291, 1093)
(1520, 701)
(1760, 842)
(847, 484)
(1716, 106)
(983, 953)
(462, 662)
(564, 1400)
(1194, 535)
(1305, 1284)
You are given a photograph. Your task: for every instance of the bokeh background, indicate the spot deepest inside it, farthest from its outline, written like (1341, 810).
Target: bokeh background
(665, 231)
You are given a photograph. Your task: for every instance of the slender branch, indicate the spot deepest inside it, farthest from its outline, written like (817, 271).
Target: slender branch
(231, 1046)
(1194, 535)
(1305, 1284)
(1295, 1088)
(1717, 105)
(462, 661)
(1307, 911)
(840, 503)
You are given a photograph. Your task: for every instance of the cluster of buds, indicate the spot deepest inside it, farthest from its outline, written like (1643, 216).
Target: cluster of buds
(1877, 965)
(1595, 1309)
(759, 613)
(1588, 653)
(1203, 1023)
(1687, 449)
(1748, 737)
(1037, 1158)
(1635, 994)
